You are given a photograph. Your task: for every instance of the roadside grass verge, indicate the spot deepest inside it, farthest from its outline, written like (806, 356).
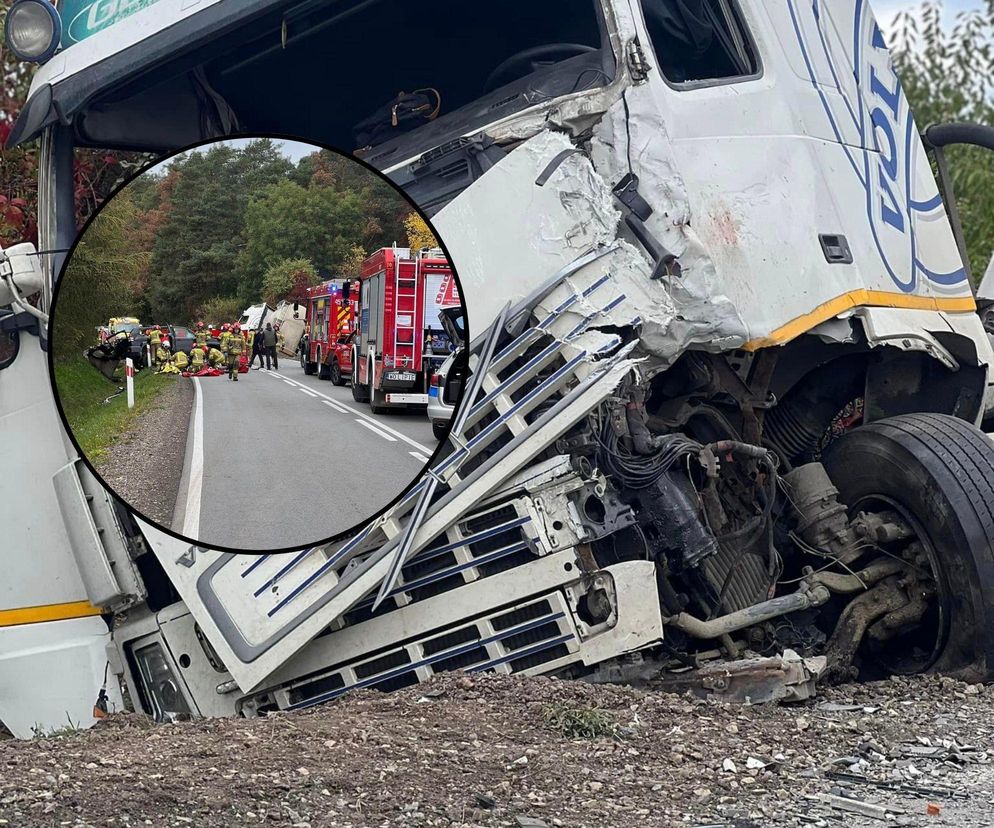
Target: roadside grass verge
(95, 425)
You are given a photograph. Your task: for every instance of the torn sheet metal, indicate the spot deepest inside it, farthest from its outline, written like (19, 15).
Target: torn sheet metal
(787, 677)
(908, 330)
(535, 229)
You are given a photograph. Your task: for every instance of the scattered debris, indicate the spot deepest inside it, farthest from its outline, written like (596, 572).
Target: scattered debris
(484, 755)
(787, 677)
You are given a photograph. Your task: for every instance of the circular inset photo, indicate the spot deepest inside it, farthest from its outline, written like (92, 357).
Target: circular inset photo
(257, 344)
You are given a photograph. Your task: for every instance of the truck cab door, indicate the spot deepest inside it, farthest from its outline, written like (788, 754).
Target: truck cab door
(777, 138)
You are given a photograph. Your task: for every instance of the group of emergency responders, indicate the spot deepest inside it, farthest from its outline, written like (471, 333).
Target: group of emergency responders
(234, 343)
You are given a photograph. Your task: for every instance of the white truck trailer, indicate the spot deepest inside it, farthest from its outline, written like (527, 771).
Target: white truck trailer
(727, 368)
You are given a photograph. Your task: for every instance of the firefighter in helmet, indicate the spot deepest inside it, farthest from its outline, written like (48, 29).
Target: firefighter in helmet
(154, 341)
(181, 360)
(201, 335)
(215, 358)
(223, 339)
(236, 344)
(198, 358)
(161, 353)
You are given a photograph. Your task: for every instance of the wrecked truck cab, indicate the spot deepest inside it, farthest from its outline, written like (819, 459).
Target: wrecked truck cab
(723, 404)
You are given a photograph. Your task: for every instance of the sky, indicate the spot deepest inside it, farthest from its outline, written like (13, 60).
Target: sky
(294, 150)
(887, 10)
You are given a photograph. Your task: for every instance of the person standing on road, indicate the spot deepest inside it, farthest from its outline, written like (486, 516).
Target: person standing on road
(280, 339)
(201, 335)
(269, 341)
(258, 350)
(236, 345)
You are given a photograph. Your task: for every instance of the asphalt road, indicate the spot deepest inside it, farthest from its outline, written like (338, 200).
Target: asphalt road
(281, 459)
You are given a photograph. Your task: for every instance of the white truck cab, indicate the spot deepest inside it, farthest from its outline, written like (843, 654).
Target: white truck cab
(724, 343)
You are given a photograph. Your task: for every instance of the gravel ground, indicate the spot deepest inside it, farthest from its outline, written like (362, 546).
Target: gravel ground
(505, 751)
(152, 450)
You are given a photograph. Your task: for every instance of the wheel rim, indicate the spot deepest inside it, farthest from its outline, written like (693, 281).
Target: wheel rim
(899, 654)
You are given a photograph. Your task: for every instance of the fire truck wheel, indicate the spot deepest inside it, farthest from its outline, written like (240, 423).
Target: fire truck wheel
(936, 472)
(360, 392)
(308, 367)
(336, 373)
(324, 372)
(439, 429)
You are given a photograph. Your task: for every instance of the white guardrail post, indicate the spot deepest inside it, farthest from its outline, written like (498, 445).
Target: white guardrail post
(129, 372)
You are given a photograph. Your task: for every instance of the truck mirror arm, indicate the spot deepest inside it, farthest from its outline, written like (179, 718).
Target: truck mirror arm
(936, 138)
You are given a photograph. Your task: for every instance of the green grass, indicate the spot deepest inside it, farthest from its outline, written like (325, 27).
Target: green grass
(579, 722)
(95, 425)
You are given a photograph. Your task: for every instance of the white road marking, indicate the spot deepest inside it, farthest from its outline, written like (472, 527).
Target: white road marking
(336, 406)
(308, 393)
(373, 428)
(367, 418)
(191, 515)
(419, 457)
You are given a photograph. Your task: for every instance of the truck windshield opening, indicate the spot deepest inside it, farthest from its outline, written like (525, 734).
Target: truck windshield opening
(334, 71)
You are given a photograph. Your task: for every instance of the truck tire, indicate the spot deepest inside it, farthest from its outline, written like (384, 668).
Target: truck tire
(309, 367)
(439, 429)
(324, 372)
(336, 373)
(360, 392)
(939, 472)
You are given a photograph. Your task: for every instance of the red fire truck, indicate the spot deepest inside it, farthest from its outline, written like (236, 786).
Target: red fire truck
(326, 348)
(399, 329)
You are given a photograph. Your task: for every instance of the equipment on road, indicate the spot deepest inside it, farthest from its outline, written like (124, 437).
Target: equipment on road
(393, 351)
(722, 397)
(332, 307)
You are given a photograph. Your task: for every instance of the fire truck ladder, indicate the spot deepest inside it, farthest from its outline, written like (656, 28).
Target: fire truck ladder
(538, 370)
(405, 293)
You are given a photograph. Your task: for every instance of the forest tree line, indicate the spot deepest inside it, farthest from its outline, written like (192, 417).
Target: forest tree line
(219, 229)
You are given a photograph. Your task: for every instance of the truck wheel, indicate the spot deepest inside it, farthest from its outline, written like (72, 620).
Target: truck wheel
(360, 392)
(336, 373)
(439, 429)
(309, 367)
(937, 472)
(324, 372)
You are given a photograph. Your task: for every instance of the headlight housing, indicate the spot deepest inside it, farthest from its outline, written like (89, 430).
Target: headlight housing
(32, 30)
(161, 687)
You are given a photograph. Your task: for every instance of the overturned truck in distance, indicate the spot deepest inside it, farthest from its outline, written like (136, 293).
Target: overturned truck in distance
(727, 376)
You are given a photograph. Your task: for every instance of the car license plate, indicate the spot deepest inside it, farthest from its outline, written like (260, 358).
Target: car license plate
(401, 376)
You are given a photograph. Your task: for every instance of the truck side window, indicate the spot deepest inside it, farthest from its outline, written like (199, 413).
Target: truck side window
(699, 40)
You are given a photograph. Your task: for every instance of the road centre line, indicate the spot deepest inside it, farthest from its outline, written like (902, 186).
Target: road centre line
(418, 456)
(349, 409)
(373, 428)
(337, 407)
(308, 393)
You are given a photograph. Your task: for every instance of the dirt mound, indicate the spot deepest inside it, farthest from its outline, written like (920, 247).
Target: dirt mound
(506, 751)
